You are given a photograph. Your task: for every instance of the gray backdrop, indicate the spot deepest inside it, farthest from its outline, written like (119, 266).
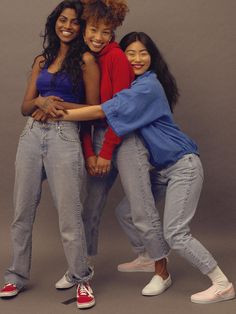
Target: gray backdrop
(197, 37)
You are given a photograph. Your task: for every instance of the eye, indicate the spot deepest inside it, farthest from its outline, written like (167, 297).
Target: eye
(144, 53)
(92, 29)
(107, 33)
(130, 54)
(76, 22)
(62, 19)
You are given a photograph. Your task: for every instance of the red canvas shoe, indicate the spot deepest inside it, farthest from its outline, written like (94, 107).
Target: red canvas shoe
(85, 297)
(9, 290)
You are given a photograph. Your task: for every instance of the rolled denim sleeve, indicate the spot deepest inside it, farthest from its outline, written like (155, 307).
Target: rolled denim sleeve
(133, 108)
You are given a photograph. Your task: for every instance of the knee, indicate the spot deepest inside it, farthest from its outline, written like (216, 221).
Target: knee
(175, 239)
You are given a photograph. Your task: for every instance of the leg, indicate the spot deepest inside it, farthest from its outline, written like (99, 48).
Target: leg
(183, 192)
(123, 214)
(97, 192)
(184, 187)
(65, 170)
(135, 179)
(27, 192)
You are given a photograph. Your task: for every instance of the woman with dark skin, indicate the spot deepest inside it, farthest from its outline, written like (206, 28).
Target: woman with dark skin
(61, 77)
(178, 174)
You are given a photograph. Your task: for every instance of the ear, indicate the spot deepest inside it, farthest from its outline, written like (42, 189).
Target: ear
(112, 37)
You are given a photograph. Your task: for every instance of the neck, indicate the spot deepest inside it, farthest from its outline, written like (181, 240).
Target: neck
(63, 50)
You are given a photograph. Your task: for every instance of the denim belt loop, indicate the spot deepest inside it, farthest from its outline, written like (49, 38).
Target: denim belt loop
(31, 122)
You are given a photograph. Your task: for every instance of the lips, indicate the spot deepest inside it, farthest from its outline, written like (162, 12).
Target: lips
(137, 66)
(67, 33)
(96, 44)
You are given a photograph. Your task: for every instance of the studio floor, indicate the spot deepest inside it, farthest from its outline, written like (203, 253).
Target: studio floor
(116, 293)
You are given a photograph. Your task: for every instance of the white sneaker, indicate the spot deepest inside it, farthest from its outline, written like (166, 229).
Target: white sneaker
(156, 286)
(64, 283)
(140, 264)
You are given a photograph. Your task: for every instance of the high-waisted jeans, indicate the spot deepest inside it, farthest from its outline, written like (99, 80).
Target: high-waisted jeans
(49, 150)
(131, 162)
(181, 185)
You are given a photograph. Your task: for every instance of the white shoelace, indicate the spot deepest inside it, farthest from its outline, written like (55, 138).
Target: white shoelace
(85, 290)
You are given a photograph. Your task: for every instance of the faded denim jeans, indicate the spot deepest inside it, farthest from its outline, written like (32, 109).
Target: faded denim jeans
(181, 185)
(49, 150)
(131, 162)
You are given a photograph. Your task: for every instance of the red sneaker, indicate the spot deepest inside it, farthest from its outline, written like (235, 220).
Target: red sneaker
(85, 297)
(9, 290)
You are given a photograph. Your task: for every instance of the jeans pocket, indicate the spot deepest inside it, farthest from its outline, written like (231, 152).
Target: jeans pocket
(69, 133)
(25, 130)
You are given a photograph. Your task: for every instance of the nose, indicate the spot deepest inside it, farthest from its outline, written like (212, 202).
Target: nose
(68, 24)
(137, 58)
(98, 36)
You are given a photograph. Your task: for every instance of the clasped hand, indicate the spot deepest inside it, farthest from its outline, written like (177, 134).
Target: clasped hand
(98, 166)
(48, 107)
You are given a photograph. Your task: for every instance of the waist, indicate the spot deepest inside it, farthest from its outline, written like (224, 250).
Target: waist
(51, 123)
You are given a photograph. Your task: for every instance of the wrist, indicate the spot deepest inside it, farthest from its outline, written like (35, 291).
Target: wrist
(40, 102)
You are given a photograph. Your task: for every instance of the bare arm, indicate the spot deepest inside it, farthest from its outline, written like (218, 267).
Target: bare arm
(32, 100)
(84, 114)
(91, 76)
(31, 97)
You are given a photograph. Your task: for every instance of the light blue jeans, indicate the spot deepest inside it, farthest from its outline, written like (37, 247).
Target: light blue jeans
(181, 185)
(49, 150)
(131, 162)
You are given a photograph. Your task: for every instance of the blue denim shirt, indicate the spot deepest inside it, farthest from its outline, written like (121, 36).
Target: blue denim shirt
(144, 107)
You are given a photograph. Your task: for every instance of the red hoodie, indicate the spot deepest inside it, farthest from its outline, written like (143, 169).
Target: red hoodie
(116, 74)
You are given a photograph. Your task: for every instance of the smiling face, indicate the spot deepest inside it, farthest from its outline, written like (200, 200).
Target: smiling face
(138, 57)
(97, 36)
(67, 26)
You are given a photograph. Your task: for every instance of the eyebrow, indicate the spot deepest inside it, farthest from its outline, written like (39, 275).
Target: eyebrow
(61, 15)
(132, 50)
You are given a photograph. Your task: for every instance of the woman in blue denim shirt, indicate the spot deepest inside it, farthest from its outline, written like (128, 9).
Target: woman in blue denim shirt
(178, 174)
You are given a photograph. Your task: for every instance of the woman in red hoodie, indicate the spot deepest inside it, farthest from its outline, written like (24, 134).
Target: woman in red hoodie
(107, 154)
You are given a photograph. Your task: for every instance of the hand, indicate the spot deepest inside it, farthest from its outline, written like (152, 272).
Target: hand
(90, 164)
(51, 105)
(39, 115)
(103, 166)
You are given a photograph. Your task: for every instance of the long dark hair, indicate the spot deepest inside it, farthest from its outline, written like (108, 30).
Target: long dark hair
(158, 64)
(51, 43)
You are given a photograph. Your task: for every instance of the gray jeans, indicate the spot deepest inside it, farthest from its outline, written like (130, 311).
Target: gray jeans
(48, 150)
(181, 185)
(131, 161)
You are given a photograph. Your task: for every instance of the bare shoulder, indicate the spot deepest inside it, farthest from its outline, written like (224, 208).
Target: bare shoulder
(88, 58)
(39, 62)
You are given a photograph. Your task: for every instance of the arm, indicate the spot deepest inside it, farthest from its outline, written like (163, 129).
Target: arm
(136, 107)
(31, 97)
(91, 77)
(121, 77)
(33, 101)
(88, 112)
(128, 110)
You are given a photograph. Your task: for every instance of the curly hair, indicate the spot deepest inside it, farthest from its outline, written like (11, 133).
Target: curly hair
(111, 12)
(51, 43)
(158, 64)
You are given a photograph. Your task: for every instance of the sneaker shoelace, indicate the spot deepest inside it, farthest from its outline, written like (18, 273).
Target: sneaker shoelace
(9, 284)
(85, 290)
